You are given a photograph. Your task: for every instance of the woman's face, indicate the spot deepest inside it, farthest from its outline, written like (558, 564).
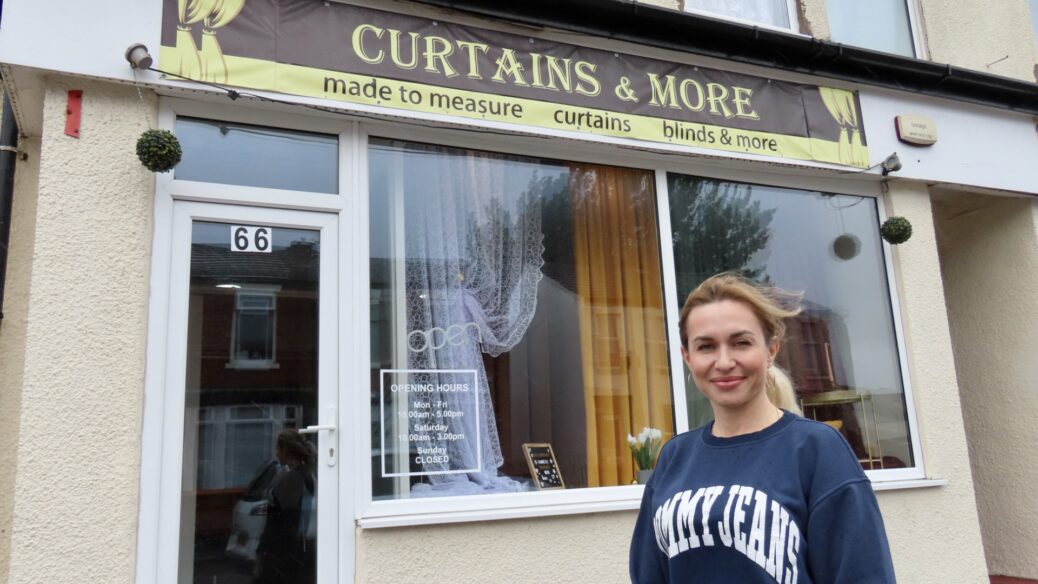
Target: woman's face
(728, 354)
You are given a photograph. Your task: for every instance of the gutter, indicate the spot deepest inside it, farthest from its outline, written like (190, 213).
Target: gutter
(635, 22)
(8, 156)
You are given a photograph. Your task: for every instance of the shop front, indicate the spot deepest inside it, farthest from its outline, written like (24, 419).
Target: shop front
(421, 277)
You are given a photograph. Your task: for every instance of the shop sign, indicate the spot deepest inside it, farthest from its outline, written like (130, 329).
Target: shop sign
(360, 55)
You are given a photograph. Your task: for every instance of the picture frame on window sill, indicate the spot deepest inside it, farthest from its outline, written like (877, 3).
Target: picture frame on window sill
(544, 469)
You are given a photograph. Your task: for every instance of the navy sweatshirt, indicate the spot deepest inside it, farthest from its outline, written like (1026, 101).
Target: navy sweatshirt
(789, 504)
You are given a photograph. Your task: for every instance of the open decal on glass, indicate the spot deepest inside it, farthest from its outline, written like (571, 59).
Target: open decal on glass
(430, 422)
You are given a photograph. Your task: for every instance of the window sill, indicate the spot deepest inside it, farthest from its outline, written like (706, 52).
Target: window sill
(909, 484)
(497, 507)
(467, 509)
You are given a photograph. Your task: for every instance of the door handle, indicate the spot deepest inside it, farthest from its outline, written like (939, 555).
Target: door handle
(329, 441)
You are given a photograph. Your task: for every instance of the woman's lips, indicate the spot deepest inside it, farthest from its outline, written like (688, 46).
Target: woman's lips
(727, 382)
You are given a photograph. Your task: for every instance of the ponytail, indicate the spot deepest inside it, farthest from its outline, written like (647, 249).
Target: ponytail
(779, 388)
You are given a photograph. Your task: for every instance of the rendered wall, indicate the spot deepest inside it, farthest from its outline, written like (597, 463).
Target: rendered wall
(934, 532)
(78, 377)
(989, 256)
(991, 37)
(13, 332)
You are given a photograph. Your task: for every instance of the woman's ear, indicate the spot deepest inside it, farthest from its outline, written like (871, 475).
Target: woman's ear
(773, 349)
(684, 356)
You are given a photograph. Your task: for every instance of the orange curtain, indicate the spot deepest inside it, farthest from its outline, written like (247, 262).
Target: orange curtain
(622, 328)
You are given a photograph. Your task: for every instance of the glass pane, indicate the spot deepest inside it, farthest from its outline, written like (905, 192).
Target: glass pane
(249, 481)
(513, 301)
(773, 12)
(255, 156)
(841, 350)
(880, 25)
(1034, 18)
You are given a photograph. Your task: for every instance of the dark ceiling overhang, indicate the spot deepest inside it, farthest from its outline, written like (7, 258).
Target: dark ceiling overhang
(645, 24)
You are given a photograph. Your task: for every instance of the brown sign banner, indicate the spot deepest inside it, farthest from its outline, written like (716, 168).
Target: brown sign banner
(360, 55)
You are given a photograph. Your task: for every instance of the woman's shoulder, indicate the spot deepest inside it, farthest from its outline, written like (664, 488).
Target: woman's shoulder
(823, 449)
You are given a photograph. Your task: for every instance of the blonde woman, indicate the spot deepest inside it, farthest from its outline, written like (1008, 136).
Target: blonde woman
(759, 495)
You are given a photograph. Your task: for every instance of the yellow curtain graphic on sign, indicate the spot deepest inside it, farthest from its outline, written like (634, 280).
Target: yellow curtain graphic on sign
(208, 62)
(841, 106)
(186, 58)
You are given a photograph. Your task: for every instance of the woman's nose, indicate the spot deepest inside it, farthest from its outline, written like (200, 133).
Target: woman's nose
(724, 359)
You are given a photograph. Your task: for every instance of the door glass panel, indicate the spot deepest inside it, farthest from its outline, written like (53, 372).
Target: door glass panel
(248, 510)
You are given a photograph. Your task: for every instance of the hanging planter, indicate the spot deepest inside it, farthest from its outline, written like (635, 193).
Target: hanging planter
(158, 150)
(896, 230)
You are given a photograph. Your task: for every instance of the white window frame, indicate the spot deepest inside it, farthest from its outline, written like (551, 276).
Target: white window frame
(791, 12)
(354, 362)
(573, 501)
(160, 468)
(262, 291)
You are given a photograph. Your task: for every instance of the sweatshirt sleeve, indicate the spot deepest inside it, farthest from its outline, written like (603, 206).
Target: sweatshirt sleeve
(847, 543)
(648, 565)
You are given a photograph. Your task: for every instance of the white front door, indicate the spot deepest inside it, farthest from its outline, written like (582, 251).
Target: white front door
(250, 490)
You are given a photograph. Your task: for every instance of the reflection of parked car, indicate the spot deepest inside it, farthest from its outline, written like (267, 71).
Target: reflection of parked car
(250, 514)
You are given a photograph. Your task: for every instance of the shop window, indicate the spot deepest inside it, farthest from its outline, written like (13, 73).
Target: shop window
(841, 351)
(880, 25)
(778, 13)
(254, 330)
(514, 300)
(256, 156)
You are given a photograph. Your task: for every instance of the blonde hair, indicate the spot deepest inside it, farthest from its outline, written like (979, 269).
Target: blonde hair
(771, 306)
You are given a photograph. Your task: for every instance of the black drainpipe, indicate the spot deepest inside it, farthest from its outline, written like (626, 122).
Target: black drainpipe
(8, 156)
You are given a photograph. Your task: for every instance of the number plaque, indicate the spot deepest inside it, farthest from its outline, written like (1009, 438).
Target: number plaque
(252, 239)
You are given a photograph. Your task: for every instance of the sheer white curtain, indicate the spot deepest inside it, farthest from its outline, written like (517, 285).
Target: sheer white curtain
(473, 261)
(773, 12)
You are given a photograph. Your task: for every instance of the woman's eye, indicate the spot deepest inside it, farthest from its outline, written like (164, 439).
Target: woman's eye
(704, 347)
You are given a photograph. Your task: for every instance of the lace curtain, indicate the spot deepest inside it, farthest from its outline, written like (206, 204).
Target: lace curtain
(473, 261)
(773, 12)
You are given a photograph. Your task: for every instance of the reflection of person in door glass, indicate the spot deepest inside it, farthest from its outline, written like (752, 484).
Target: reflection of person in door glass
(284, 552)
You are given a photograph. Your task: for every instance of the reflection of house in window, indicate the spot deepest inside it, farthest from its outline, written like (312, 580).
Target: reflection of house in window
(234, 441)
(254, 328)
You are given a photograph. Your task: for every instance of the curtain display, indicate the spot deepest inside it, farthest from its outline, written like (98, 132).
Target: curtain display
(473, 257)
(622, 330)
(537, 281)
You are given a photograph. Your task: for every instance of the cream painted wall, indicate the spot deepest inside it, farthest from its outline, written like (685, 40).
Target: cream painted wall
(80, 375)
(12, 332)
(814, 18)
(934, 532)
(989, 37)
(989, 256)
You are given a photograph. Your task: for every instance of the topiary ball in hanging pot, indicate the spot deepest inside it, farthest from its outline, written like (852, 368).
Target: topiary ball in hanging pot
(896, 230)
(158, 150)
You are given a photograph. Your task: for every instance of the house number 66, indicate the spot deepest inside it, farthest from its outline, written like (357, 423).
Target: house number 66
(256, 239)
